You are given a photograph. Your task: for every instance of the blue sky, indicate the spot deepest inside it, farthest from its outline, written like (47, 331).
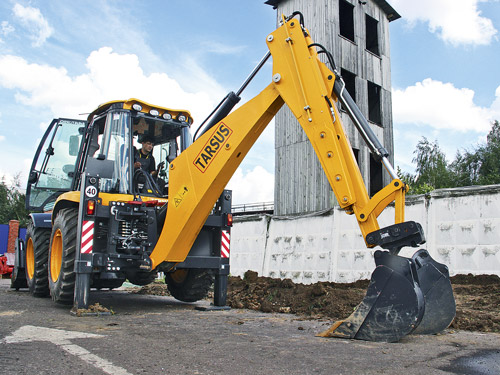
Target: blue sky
(61, 59)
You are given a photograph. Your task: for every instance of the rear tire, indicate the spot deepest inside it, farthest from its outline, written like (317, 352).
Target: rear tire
(142, 278)
(37, 251)
(189, 285)
(62, 256)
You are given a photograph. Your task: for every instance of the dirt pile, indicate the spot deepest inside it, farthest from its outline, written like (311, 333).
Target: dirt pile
(477, 298)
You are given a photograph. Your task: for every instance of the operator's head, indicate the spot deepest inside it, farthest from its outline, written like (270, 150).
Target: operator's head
(147, 143)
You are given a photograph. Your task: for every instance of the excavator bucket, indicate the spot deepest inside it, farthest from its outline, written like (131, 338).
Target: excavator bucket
(393, 306)
(434, 280)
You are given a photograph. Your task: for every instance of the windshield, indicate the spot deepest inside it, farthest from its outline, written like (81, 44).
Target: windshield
(117, 145)
(54, 168)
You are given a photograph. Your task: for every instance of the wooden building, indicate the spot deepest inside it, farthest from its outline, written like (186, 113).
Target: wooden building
(357, 34)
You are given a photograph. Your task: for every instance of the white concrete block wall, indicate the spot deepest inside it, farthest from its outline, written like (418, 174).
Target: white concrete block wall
(462, 227)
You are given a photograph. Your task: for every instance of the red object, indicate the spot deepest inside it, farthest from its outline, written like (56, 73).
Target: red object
(5, 269)
(90, 207)
(87, 237)
(225, 242)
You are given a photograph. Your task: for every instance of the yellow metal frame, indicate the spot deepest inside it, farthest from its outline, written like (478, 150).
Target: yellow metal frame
(199, 175)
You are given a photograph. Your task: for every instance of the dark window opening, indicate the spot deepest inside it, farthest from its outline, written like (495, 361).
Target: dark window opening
(374, 112)
(372, 35)
(356, 154)
(376, 180)
(350, 82)
(346, 19)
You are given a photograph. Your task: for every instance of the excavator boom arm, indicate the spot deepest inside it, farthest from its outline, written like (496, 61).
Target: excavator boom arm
(199, 175)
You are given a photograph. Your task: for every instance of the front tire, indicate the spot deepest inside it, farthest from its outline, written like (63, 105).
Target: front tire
(37, 251)
(62, 256)
(189, 285)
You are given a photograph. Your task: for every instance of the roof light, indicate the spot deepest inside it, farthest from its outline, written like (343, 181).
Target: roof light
(137, 107)
(182, 117)
(167, 116)
(154, 112)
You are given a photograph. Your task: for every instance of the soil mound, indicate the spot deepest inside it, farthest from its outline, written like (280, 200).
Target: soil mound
(477, 298)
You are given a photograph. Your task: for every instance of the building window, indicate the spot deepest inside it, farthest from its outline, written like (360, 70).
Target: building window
(350, 82)
(346, 19)
(372, 35)
(376, 180)
(355, 151)
(374, 113)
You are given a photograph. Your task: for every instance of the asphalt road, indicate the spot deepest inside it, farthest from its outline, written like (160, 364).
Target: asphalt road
(158, 335)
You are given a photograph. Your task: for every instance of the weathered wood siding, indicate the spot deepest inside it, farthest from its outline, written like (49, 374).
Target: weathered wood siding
(300, 183)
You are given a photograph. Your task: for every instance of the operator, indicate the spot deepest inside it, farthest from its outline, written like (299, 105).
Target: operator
(144, 157)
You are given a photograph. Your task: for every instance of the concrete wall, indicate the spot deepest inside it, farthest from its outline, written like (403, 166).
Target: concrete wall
(462, 227)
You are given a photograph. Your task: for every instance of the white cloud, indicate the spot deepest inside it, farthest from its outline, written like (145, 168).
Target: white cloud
(6, 29)
(456, 22)
(443, 106)
(255, 186)
(110, 76)
(33, 20)
(2, 138)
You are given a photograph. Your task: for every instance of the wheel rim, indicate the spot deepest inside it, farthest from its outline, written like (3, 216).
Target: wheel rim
(30, 258)
(179, 276)
(56, 256)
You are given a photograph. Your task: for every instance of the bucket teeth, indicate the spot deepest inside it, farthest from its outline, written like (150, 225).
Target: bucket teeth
(393, 305)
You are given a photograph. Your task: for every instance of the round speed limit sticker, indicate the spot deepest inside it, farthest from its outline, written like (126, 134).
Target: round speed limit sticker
(91, 191)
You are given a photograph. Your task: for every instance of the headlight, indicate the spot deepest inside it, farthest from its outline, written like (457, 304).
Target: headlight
(154, 112)
(167, 116)
(137, 107)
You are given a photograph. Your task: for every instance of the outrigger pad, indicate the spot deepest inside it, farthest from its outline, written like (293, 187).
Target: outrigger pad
(434, 279)
(393, 305)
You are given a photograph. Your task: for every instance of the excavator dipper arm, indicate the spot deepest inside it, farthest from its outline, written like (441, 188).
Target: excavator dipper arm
(394, 304)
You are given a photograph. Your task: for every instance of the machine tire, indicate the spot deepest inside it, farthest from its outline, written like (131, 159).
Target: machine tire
(37, 252)
(142, 278)
(189, 285)
(61, 273)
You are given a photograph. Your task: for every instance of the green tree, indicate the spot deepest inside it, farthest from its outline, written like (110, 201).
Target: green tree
(481, 166)
(432, 167)
(12, 203)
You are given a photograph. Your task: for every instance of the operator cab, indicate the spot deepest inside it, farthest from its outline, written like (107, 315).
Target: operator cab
(115, 132)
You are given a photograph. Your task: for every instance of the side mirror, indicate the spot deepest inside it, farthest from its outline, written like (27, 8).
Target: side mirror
(74, 145)
(172, 150)
(33, 177)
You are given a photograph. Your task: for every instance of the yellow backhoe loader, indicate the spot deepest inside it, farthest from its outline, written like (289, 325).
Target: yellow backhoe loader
(105, 220)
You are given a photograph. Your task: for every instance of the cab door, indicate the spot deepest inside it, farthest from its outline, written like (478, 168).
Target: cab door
(53, 169)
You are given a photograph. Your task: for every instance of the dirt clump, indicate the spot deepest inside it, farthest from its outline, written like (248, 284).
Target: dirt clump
(477, 298)
(478, 302)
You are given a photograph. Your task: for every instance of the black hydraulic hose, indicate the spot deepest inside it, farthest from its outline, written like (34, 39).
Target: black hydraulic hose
(297, 13)
(329, 56)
